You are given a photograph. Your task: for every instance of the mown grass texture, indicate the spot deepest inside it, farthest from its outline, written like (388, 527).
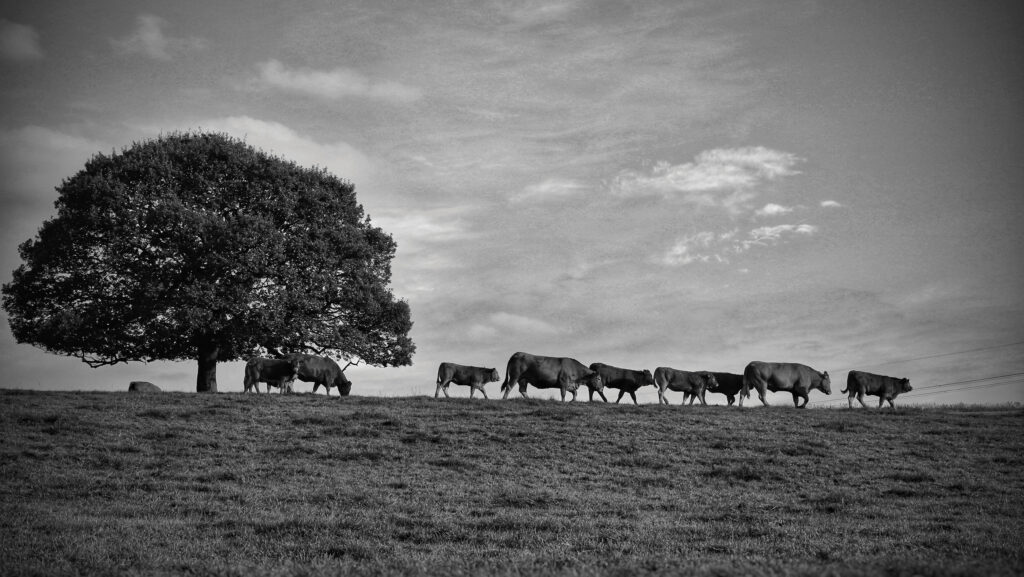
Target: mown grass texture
(233, 484)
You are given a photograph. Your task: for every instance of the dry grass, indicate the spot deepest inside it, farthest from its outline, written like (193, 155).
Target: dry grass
(104, 483)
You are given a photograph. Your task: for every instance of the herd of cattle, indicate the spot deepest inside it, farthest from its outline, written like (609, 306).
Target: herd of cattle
(568, 375)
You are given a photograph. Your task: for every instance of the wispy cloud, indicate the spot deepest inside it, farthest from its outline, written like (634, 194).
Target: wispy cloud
(334, 84)
(708, 247)
(149, 40)
(724, 178)
(551, 188)
(501, 323)
(19, 41)
(772, 209)
(830, 204)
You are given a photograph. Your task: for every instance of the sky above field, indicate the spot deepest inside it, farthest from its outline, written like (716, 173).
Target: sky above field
(685, 184)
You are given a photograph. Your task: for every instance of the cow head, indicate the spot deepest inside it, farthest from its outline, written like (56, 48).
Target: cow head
(593, 381)
(825, 384)
(648, 378)
(905, 386)
(344, 385)
(493, 376)
(710, 382)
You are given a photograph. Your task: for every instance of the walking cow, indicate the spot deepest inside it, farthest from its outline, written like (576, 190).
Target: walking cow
(729, 384)
(473, 377)
(860, 383)
(793, 377)
(691, 383)
(549, 373)
(626, 380)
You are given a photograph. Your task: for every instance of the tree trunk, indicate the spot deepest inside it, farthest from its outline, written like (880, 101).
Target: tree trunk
(206, 380)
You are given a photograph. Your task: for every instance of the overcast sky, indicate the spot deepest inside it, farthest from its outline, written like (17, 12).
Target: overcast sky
(685, 184)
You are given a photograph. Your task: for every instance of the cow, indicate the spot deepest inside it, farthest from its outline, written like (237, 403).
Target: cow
(276, 372)
(320, 371)
(626, 380)
(691, 383)
(729, 384)
(549, 373)
(860, 383)
(142, 387)
(473, 377)
(793, 377)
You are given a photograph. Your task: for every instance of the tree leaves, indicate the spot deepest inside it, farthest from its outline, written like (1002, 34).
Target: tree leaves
(199, 238)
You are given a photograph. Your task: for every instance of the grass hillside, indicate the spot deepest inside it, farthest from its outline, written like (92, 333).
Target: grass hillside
(304, 485)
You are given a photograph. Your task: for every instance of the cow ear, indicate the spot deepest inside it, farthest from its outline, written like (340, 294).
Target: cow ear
(825, 374)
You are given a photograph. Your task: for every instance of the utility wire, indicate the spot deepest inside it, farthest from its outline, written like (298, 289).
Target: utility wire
(915, 393)
(938, 355)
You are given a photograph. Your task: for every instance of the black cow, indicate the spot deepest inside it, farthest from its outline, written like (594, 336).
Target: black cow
(320, 371)
(860, 383)
(793, 377)
(691, 383)
(473, 377)
(549, 373)
(728, 384)
(626, 380)
(276, 372)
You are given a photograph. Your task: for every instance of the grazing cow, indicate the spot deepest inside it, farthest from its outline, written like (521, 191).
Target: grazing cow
(473, 377)
(276, 372)
(691, 383)
(729, 384)
(549, 373)
(320, 371)
(142, 387)
(626, 380)
(859, 383)
(793, 377)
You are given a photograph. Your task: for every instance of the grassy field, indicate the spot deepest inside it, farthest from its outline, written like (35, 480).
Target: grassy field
(304, 485)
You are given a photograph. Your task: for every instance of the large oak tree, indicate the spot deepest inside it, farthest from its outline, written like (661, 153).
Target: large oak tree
(198, 246)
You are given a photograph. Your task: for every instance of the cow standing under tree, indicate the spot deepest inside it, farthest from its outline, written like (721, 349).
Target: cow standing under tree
(691, 383)
(549, 373)
(473, 377)
(276, 372)
(793, 377)
(321, 371)
(860, 383)
(626, 380)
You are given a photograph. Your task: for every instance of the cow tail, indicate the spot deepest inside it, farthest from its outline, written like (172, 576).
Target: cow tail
(439, 369)
(749, 374)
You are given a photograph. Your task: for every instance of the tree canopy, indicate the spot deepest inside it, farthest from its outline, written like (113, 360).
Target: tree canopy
(198, 246)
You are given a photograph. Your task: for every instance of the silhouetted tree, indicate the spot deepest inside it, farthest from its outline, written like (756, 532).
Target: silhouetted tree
(198, 246)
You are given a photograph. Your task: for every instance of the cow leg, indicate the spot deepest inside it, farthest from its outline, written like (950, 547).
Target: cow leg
(601, 394)
(633, 394)
(591, 398)
(437, 391)
(483, 392)
(860, 399)
(881, 401)
(731, 399)
(661, 396)
(621, 392)
(892, 404)
(703, 401)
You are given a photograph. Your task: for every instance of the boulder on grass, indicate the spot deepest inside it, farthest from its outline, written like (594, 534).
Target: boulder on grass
(143, 387)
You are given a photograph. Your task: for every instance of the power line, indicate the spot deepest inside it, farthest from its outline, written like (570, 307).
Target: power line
(915, 393)
(939, 355)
